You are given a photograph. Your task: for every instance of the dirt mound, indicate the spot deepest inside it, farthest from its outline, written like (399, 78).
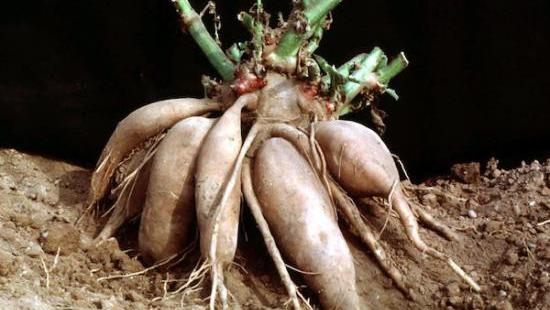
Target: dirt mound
(501, 216)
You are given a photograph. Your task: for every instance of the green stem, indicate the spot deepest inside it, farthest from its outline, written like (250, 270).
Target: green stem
(367, 66)
(397, 65)
(257, 29)
(355, 61)
(346, 67)
(292, 39)
(315, 37)
(364, 73)
(234, 52)
(208, 45)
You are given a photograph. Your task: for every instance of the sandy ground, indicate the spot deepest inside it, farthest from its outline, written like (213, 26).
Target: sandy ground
(501, 217)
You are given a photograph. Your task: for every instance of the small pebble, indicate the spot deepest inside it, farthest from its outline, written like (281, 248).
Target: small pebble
(34, 250)
(472, 214)
(502, 293)
(531, 203)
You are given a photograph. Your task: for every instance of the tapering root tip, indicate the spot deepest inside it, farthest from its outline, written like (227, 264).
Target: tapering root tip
(430, 222)
(471, 282)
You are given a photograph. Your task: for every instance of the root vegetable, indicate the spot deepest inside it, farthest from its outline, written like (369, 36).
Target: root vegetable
(286, 90)
(169, 209)
(352, 216)
(255, 209)
(357, 158)
(215, 163)
(140, 125)
(299, 211)
(362, 164)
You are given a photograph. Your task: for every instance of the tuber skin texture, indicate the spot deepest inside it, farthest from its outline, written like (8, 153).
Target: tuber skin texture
(298, 166)
(215, 162)
(137, 127)
(362, 164)
(357, 158)
(169, 211)
(299, 211)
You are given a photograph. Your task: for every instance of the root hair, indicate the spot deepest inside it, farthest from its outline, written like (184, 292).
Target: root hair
(390, 207)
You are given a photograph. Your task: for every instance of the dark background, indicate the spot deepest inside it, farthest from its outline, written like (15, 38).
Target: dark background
(477, 85)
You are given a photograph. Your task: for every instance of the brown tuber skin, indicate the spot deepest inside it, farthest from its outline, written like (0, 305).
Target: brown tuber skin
(299, 211)
(362, 164)
(169, 210)
(137, 127)
(215, 161)
(357, 158)
(294, 146)
(299, 165)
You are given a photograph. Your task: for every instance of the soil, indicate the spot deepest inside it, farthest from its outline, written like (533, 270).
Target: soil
(501, 216)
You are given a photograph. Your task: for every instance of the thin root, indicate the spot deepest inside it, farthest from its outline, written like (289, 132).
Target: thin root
(192, 284)
(411, 228)
(429, 221)
(324, 176)
(352, 216)
(402, 166)
(304, 301)
(463, 275)
(194, 281)
(302, 271)
(130, 178)
(121, 276)
(227, 190)
(46, 271)
(390, 207)
(255, 209)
